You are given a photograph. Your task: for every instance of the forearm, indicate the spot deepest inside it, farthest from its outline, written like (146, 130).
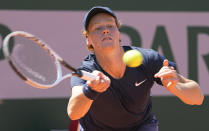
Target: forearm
(83, 96)
(78, 104)
(188, 91)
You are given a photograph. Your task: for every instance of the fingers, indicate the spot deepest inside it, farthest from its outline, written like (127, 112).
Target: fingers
(101, 83)
(167, 80)
(165, 62)
(169, 83)
(168, 75)
(165, 70)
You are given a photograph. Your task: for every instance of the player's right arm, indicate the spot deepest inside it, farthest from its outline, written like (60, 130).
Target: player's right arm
(80, 102)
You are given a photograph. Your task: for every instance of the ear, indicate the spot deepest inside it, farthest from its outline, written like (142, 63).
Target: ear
(89, 46)
(87, 42)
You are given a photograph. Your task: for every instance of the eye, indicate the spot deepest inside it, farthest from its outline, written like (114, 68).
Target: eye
(110, 26)
(98, 28)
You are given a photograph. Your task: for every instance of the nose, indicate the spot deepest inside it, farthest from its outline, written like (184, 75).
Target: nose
(105, 31)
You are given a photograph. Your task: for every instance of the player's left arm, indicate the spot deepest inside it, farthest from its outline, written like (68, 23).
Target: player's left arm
(185, 89)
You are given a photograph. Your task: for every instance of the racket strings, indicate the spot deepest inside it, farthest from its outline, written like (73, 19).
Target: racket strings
(33, 59)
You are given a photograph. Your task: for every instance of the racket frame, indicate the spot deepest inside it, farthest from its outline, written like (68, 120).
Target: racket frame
(58, 61)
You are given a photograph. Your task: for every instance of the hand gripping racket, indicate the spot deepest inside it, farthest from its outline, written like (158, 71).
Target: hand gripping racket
(35, 62)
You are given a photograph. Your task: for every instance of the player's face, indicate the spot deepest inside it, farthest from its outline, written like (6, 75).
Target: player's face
(103, 33)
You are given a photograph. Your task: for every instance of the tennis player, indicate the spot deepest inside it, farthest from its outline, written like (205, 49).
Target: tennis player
(119, 99)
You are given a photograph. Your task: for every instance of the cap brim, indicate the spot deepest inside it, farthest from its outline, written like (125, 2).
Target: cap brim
(94, 11)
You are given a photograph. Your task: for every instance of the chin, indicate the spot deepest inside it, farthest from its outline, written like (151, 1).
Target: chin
(108, 46)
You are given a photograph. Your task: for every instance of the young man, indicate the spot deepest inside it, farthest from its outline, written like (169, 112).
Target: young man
(119, 98)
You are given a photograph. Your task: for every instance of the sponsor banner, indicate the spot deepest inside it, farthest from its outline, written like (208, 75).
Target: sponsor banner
(186, 33)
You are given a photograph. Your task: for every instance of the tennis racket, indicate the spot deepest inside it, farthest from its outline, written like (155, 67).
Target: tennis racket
(35, 62)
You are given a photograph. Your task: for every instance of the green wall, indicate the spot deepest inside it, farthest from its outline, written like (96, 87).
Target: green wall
(46, 114)
(124, 5)
(33, 115)
(174, 115)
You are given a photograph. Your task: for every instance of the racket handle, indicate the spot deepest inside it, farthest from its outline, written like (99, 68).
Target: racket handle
(87, 75)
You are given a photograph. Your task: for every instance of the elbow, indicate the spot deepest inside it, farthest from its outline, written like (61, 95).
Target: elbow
(200, 101)
(196, 97)
(73, 115)
(196, 101)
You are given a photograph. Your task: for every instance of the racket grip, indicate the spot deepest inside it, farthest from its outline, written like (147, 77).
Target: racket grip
(87, 75)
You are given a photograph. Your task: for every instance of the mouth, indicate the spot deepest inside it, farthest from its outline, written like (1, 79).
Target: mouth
(106, 39)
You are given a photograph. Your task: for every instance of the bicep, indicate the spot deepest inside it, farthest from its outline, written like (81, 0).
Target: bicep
(78, 104)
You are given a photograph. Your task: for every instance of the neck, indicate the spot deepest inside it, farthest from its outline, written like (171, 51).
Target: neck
(111, 62)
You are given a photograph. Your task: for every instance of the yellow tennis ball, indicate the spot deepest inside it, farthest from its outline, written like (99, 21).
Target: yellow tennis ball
(132, 58)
